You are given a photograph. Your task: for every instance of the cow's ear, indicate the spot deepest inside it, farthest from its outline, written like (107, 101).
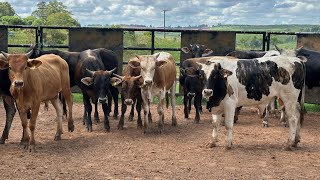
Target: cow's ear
(182, 71)
(33, 64)
(87, 81)
(207, 52)
(134, 64)
(140, 82)
(4, 65)
(185, 50)
(160, 63)
(302, 58)
(115, 81)
(225, 73)
(156, 55)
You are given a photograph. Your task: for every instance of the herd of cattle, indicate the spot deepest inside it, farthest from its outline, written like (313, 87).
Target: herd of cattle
(241, 78)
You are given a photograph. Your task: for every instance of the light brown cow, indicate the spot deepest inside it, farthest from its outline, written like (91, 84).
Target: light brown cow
(34, 81)
(159, 74)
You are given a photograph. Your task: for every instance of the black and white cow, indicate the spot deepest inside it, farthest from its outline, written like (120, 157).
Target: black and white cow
(255, 83)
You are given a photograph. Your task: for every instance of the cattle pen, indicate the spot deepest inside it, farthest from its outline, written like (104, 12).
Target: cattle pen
(179, 152)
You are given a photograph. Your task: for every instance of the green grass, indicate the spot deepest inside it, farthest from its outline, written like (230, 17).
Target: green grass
(312, 107)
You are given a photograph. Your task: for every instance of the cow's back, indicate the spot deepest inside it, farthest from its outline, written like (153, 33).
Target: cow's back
(165, 75)
(50, 77)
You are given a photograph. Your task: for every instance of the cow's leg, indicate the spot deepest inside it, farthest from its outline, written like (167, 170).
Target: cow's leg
(229, 121)
(138, 108)
(237, 113)
(173, 104)
(185, 103)
(109, 95)
(293, 120)
(197, 105)
(85, 113)
(123, 111)
(161, 115)
(115, 93)
(146, 109)
(96, 114)
(10, 109)
(131, 115)
(283, 117)
(265, 122)
(106, 119)
(25, 133)
(32, 124)
(68, 97)
(57, 105)
(88, 109)
(189, 104)
(216, 118)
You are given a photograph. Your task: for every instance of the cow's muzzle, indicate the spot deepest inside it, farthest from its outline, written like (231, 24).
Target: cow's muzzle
(102, 100)
(191, 94)
(207, 93)
(18, 83)
(128, 101)
(148, 82)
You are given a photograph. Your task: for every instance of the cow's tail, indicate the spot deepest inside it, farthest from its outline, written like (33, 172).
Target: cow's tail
(64, 106)
(302, 95)
(167, 100)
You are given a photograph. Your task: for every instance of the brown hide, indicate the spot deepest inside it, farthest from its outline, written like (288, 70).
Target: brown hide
(165, 75)
(43, 83)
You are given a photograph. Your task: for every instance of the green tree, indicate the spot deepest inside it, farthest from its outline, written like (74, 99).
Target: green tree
(12, 20)
(61, 19)
(30, 20)
(44, 10)
(6, 9)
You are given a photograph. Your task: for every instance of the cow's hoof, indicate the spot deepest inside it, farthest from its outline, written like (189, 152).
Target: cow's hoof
(288, 148)
(196, 121)
(139, 126)
(228, 147)
(211, 145)
(115, 117)
(89, 129)
(31, 148)
(57, 137)
(83, 122)
(71, 127)
(120, 127)
(107, 130)
(265, 125)
(130, 118)
(96, 119)
(2, 140)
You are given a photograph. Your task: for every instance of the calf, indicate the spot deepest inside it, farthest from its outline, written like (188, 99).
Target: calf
(255, 83)
(34, 81)
(94, 82)
(107, 57)
(159, 75)
(197, 50)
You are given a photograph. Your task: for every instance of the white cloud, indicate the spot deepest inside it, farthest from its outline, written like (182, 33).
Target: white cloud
(184, 12)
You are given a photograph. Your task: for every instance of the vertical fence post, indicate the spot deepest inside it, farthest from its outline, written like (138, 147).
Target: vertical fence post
(152, 42)
(268, 41)
(264, 41)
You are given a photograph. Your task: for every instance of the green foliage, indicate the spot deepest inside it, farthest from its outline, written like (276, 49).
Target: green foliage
(12, 20)
(6, 9)
(61, 19)
(44, 10)
(55, 36)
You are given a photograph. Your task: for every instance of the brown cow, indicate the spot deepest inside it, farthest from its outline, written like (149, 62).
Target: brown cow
(34, 81)
(159, 74)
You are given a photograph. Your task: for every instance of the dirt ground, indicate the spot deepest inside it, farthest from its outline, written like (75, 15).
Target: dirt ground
(178, 153)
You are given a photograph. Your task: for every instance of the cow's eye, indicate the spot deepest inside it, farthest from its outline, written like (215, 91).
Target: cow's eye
(25, 67)
(9, 68)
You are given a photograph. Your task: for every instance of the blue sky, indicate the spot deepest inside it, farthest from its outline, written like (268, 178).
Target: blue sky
(184, 13)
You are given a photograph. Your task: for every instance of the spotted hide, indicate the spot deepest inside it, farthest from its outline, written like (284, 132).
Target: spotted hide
(255, 83)
(159, 74)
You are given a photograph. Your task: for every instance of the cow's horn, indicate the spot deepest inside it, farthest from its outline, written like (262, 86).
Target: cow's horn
(90, 72)
(137, 77)
(278, 49)
(28, 54)
(111, 71)
(5, 54)
(118, 76)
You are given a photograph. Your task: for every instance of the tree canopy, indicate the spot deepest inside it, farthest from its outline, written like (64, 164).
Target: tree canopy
(6, 9)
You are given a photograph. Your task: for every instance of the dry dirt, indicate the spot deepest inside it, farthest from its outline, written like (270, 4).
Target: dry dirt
(178, 153)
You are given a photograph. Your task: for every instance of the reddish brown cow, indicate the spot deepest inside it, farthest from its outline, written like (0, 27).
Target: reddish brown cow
(34, 81)
(159, 75)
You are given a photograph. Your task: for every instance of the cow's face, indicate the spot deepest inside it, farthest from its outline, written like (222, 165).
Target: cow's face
(18, 65)
(148, 65)
(130, 87)
(197, 50)
(194, 81)
(100, 80)
(216, 85)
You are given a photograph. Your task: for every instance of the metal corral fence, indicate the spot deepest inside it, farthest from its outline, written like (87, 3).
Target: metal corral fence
(82, 38)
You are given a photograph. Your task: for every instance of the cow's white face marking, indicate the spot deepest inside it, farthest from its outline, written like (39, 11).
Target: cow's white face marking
(148, 65)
